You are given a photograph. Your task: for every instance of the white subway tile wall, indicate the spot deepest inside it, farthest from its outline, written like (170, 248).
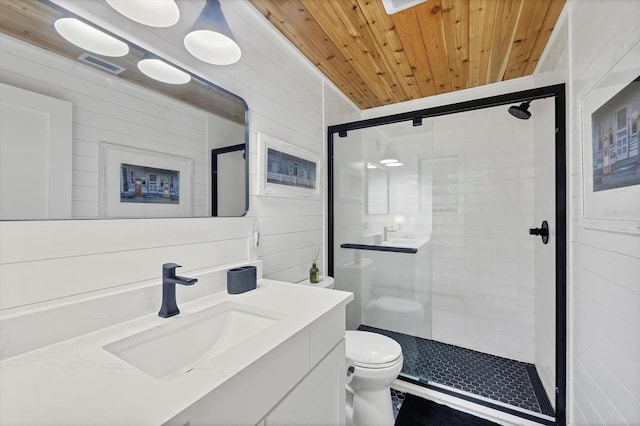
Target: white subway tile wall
(482, 259)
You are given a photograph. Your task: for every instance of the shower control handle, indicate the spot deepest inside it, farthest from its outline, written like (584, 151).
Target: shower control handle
(543, 231)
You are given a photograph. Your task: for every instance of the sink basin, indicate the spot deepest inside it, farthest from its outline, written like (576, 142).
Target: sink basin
(171, 349)
(405, 242)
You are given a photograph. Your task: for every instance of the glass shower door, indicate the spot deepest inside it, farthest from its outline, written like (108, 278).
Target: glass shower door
(431, 234)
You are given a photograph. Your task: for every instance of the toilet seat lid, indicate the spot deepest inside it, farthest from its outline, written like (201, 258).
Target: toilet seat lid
(371, 349)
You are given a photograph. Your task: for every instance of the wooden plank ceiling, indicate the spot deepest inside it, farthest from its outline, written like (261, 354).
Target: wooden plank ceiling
(435, 47)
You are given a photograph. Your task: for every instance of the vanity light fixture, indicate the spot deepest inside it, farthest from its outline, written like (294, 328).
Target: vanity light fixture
(390, 155)
(210, 39)
(89, 38)
(371, 166)
(156, 13)
(161, 71)
(396, 164)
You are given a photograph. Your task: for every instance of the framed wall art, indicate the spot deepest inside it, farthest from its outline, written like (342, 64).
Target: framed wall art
(287, 171)
(610, 131)
(142, 183)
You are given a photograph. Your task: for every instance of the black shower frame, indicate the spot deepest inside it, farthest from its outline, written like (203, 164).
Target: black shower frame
(558, 93)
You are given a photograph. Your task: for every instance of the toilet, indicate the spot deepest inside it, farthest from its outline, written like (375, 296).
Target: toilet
(374, 363)
(377, 361)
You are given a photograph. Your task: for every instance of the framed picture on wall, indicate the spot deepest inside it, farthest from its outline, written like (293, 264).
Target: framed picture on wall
(287, 171)
(142, 183)
(610, 131)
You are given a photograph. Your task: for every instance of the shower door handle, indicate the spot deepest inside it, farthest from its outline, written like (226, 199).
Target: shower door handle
(543, 231)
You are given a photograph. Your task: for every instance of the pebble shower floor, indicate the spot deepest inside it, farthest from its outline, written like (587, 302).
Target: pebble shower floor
(498, 379)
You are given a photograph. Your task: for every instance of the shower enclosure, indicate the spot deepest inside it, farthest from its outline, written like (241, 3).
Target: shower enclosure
(434, 218)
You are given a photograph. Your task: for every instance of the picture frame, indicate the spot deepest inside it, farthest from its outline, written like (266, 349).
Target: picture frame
(144, 184)
(287, 171)
(116, 158)
(609, 118)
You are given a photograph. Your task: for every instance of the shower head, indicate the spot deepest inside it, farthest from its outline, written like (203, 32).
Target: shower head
(521, 111)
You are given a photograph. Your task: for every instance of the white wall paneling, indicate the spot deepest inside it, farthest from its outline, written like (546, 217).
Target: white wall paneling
(604, 293)
(45, 263)
(35, 155)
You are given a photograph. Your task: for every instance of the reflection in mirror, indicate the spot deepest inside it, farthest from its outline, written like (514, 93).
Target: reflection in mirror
(228, 181)
(377, 191)
(66, 163)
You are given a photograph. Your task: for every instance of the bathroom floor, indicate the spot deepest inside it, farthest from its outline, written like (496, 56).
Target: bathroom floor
(397, 398)
(488, 376)
(410, 410)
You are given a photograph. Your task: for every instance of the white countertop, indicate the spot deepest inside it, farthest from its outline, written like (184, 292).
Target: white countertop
(78, 382)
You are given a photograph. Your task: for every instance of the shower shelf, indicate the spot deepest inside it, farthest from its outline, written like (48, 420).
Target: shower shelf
(372, 247)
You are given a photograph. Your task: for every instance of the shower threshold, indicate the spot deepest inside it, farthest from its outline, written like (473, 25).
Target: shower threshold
(500, 383)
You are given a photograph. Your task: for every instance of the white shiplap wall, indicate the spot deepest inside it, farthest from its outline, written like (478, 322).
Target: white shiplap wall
(41, 262)
(107, 109)
(604, 347)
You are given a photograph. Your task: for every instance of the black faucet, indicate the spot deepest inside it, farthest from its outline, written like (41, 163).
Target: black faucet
(169, 307)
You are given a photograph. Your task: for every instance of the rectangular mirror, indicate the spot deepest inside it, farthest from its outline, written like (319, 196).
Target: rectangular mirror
(377, 191)
(72, 122)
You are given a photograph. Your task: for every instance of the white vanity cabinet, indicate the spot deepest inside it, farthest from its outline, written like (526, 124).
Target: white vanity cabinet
(300, 382)
(291, 372)
(319, 399)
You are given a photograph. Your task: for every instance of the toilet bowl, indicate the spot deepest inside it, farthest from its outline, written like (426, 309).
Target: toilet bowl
(377, 361)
